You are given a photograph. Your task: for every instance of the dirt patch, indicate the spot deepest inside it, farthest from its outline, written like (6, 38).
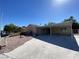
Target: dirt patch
(13, 42)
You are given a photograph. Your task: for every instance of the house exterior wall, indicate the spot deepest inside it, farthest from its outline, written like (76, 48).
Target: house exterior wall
(33, 29)
(66, 30)
(42, 31)
(61, 30)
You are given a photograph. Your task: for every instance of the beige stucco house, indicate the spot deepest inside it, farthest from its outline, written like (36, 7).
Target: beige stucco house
(58, 29)
(62, 28)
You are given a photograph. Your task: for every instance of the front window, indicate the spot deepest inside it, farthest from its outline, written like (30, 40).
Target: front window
(63, 29)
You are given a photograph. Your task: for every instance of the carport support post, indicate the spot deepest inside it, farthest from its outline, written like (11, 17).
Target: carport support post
(72, 30)
(33, 31)
(50, 30)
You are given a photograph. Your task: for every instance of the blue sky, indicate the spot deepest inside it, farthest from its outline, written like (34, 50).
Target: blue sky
(24, 12)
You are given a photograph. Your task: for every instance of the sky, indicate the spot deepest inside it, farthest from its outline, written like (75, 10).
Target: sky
(24, 12)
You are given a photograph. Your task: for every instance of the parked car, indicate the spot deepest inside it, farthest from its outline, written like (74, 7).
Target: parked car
(3, 34)
(27, 33)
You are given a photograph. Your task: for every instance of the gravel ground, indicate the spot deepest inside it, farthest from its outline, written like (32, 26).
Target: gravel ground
(12, 43)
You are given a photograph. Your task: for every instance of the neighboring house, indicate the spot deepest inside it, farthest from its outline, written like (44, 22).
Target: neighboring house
(31, 27)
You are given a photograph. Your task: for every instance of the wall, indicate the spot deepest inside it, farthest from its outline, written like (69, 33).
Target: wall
(61, 30)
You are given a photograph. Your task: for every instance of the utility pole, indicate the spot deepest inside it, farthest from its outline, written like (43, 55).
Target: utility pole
(50, 30)
(71, 29)
(50, 26)
(1, 26)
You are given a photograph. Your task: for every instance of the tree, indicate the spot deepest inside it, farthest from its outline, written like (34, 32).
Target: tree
(50, 24)
(45, 24)
(71, 19)
(75, 24)
(10, 28)
(19, 29)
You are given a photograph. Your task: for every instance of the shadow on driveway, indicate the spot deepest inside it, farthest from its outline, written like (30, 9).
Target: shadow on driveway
(63, 41)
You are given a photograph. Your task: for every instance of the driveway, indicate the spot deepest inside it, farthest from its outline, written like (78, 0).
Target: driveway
(68, 42)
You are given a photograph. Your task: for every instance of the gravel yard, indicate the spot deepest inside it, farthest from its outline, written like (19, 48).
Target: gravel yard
(12, 42)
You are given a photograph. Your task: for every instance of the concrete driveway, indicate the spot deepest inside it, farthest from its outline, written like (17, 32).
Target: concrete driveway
(2, 56)
(39, 49)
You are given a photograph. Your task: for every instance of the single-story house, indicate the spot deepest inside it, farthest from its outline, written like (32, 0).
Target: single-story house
(62, 28)
(58, 29)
